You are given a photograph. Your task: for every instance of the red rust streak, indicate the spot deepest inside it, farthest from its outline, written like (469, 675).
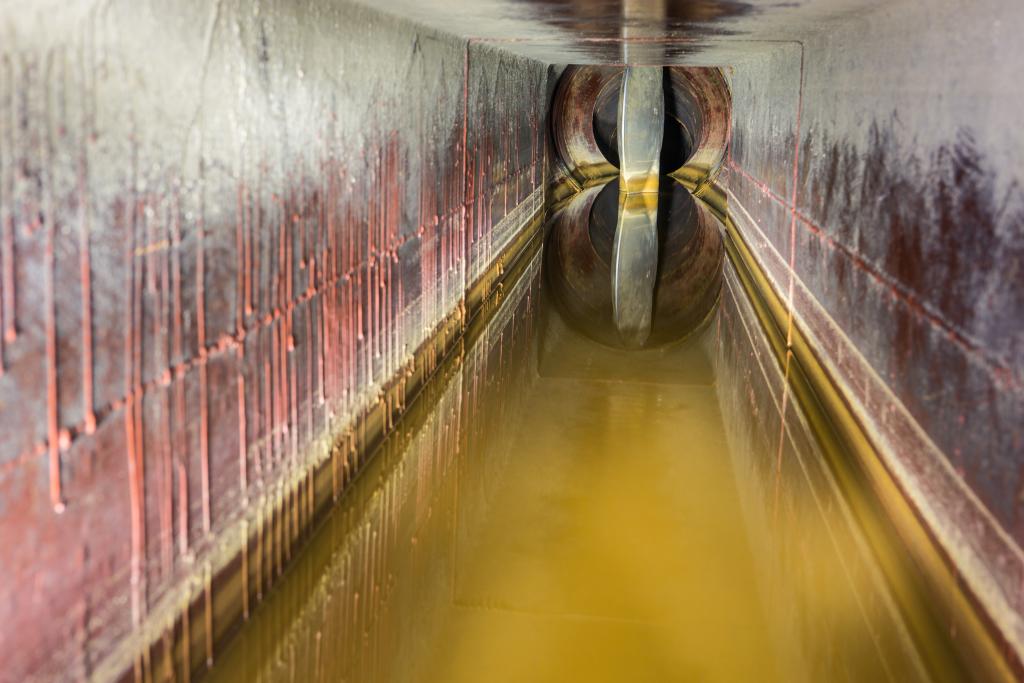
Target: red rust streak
(182, 507)
(132, 422)
(175, 372)
(166, 406)
(204, 417)
(275, 364)
(309, 358)
(247, 247)
(52, 416)
(135, 494)
(240, 269)
(243, 466)
(167, 486)
(85, 272)
(178, 366)
(204, 442)
(241, 311)
(268, 397)
(468, 184)
(49, 276)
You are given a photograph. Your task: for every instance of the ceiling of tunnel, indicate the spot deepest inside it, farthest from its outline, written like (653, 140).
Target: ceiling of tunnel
(633, 31)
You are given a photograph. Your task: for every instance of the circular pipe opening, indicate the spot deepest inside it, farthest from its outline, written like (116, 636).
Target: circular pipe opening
(698, 108)
(677, 142)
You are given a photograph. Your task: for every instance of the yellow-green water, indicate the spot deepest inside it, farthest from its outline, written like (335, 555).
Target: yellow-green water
(554, 511)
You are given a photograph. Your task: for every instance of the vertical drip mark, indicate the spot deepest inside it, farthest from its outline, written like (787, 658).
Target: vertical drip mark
(317, 658)
(85, 273)
(131, 423)
(6, 197)
(294, 397)
(240, 267)
(467, 189)
(52, 398)
(204, 418)
(3, 353)
(10, 326)
(10, 330)
(293, 505)
(167, 486)
(243, 465)
(287, 511)
(168, 643)
(245, 570)
(325, 237)
(277, 536)
(165, 406)
(309, 359)
(792, 202)
(268, 424)
(204, 445)
(49, 286)
(259, 556)
(256, 233)
(180, 420)
(136, 405)
(135, 502)
(248, 242)
(782, 435)
(277, 383)
(208, 614)
(186, 643)
(290, 359)
(182, 507)
(311, 488)
(350, 342)
(325, 298)
(242, 309)
(334, 472)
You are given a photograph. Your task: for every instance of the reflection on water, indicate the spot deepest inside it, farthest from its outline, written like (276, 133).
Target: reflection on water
(583, 253)
(555, 510)
(635, 267)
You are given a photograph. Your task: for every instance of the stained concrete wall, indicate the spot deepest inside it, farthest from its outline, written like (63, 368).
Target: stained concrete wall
(875, 168)
(223, 226)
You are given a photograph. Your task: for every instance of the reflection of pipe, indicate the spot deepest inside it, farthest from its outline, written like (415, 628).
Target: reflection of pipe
(580, 263)
(641, 124)
(635, 266)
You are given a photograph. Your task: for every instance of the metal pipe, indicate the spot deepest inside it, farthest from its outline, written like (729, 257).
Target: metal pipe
(641, 124)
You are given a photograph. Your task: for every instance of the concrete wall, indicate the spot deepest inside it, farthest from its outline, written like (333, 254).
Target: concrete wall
(876, 169)
(223, 226)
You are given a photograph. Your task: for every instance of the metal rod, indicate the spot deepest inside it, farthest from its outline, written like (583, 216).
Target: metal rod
(641, 123)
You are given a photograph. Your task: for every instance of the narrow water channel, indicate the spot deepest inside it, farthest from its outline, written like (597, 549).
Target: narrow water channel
(552, 510)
